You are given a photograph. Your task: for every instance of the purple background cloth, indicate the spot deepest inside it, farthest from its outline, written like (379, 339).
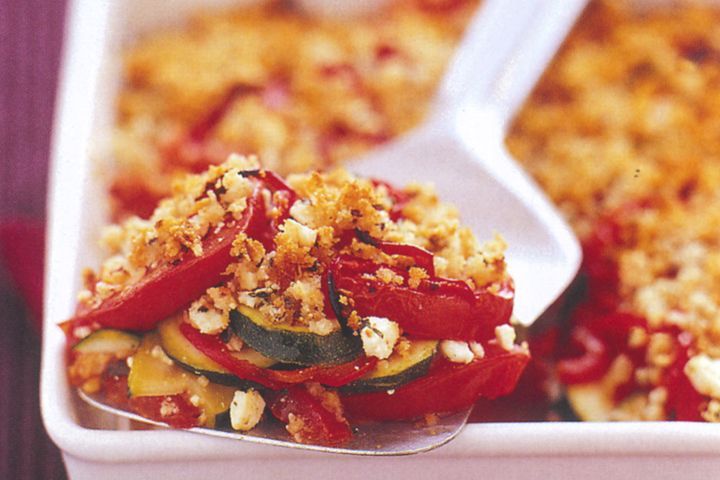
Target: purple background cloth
(31, 33)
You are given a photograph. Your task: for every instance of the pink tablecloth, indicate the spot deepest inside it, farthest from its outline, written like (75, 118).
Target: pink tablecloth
(30, 40)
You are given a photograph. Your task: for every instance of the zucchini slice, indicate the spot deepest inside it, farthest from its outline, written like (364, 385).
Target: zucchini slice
(108, 341)
(152, 373)
(187, 356)
(398, 369)
(292, 344)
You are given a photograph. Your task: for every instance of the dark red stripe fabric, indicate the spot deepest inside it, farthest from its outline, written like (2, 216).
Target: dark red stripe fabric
(30, 41)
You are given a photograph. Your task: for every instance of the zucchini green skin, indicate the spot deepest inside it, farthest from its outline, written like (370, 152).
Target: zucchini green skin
(398, 370)
(108, 340)
(187, 356)
(293, 344)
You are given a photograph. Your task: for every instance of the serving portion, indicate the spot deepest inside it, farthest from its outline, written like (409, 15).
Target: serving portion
(322, 299)
(621, 133)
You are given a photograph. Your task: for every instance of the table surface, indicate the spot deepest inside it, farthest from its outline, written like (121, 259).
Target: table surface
(31, 34)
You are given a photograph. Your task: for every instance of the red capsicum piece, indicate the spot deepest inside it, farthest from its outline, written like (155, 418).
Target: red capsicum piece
(334, 375)
(684, 403)
(437, 308)
(319, 425)
(398, 197)
(283, 195)
(283, 199)
(447, 387)
(182, 413)
(592, 363)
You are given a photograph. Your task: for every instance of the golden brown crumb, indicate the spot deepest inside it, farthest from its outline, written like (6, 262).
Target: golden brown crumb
(416, 276)
(431, 419)
(620, 126)
(308, 93)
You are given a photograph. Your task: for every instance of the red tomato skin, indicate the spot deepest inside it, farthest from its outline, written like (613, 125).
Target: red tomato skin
(164, 290)
(448, 387)
(172, 286)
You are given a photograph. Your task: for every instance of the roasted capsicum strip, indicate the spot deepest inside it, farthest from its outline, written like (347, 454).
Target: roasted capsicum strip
(448, 387)
(315, 423)
(334, 376)
(183, 413)
(437, 308)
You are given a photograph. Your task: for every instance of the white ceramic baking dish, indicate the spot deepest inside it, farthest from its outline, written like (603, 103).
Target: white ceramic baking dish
(98, 448)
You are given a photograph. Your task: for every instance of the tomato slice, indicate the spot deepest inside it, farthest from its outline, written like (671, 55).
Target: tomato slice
(170, 286)
(438, 308)
(334, 376)
(448, 387)
(315, 424)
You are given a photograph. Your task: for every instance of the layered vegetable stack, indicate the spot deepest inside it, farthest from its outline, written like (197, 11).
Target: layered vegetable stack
(321, 299)
(302, 93)
(623, 134)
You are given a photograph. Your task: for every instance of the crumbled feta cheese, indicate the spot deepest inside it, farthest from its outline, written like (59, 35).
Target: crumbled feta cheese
(477, 349)
(302, 235)
(195, 400)
(82, 332)
(246, 409)
(457, 351)
(206, 319)
(236, 186)
(323, 326)
(304, 289)
(704, 374)
(168, 407)
(248, 299)
(379, 337)
(712, 412)
(248, 279)
(302, 212)
(505, 335)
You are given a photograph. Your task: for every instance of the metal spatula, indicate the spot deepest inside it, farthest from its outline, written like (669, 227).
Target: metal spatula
(377, 439)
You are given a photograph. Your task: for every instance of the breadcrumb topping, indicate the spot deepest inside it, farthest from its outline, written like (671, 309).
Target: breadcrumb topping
(622, 126)
(282, 278)
(302, 93)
